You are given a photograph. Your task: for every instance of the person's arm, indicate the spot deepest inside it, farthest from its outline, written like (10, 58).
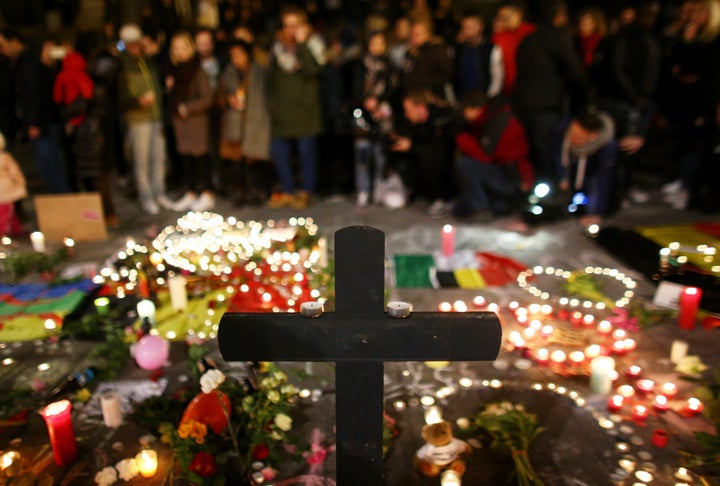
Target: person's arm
(467, 143)
(497, 72)
(312, 55)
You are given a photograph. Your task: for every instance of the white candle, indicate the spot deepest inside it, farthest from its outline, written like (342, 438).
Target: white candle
(678, 350)
(111, 405)
(147, 462)
(178, 292)
(38, 241)
(433, 415)
(450, 478)
(600, 380)
(146, 308)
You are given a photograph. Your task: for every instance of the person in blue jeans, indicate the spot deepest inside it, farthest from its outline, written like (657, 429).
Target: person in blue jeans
(492, 167)
(585, 152)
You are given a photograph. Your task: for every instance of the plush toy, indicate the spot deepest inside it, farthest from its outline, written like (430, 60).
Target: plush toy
(441, 450)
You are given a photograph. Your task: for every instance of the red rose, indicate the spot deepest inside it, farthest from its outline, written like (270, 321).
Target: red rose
(203, 464)
(260, 452)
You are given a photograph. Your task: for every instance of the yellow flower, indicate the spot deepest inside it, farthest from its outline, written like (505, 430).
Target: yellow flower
(283, 422)
(273, 396)
(193, 429)
(83, 395)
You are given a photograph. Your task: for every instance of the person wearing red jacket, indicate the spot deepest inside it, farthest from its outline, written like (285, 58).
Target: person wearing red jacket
(71, 84)
(510, 29)
(493, 167)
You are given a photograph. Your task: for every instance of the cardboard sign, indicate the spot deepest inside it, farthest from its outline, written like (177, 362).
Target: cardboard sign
(668, 295)
(78, 216)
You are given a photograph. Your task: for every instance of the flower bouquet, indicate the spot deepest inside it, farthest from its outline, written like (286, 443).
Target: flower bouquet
(513, 430)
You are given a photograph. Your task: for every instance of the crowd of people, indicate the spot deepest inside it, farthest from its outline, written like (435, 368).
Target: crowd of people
(468, 107)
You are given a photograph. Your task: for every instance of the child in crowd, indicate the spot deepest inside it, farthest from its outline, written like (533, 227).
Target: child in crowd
(12, 189)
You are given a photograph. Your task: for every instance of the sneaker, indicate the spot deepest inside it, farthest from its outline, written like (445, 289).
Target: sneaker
(164, 202)
(204, 203)
(440, 208)
(150, 207)
(672, 187)
(678, 200)
(362, 199)
(185, 202)
(300, 200)
(280, 200)
(638, 196)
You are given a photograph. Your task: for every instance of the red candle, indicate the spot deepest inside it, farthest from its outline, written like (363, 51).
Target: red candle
(669, 389)
(630, 344)
(618, 347)
(661, 403)
(633, 371)
(60, 430)
(689, 304)
(626, 391)
(542, 356)
(558, 357)
(563, 314)
(479, 301)
(593, 351)
(588, 320)
(576, 357)
(576, 318)
(615, 403)
(695, 406)
(448, 240)
(646, 386)
(659, 438)
(640, 413)
(604, 328)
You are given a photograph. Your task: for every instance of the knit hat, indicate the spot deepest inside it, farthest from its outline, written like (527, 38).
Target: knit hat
(130, 33)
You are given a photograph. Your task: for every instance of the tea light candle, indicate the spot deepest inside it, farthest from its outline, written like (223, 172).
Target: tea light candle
(146, 308)
(660, 403)
(450, 478)
(480, 302)
(445, 307)
(147, 463)
(588, 320)
(37, 239)
(618, 347)
(619, 334)
(678, 350)
(433, 415)
(615, 403)
(695, 406)
(558, 356)
(8, 459)
(640, 413)
(669, 389)
(689, 305)
(448, 240)
(630, 344)
(626, 391)
(593, 351)
(604, 327)
(600, 381)
(102, 305)
(576, 357)
(547, 330)
(646, 386)
(111, 406)
(60, 430)
(542, 356)
(576, 318)
(633, 371)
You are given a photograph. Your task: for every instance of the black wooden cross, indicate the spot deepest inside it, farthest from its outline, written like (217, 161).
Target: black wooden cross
(359, 336)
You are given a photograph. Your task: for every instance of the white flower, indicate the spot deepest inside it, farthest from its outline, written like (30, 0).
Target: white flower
(127, 469)
(106, 476)
(211, 380)
(288, 390)
(273, 396)
(283, 422)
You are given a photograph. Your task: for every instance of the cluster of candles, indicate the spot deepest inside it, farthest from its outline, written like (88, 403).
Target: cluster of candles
(670, 256)
(37, 241)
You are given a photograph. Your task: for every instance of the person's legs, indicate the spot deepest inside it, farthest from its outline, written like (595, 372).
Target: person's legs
(280, 153)
(362, 165)
(49, 161)
(307, 148)
(157, 164)
(473, 196)
(600, 184)
(139, 140)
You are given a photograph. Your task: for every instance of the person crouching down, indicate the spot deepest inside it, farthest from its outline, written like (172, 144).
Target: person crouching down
(492, 169)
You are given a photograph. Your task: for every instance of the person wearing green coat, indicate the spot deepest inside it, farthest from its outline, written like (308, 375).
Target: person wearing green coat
(297, 59)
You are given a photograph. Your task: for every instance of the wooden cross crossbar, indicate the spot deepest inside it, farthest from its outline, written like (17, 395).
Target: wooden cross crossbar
(359, 336)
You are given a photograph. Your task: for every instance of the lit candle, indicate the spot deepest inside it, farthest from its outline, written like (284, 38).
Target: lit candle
(630, 344)
(615, 403)
(479, 301)
(588, 320)
(669, 389)
(38, 241)
(646, 386)
(626, 391)
(58, 418)
(593, 351)
(445, 307)
(448, 240)
(576, 357)
(558, 356)
(660, 403)
(102, 305)
(640, 413)
(619, 334)
(618, 347)
(542, 356)
(146, 308)
(147, 462)
(576, 318)
(450, 478)
(689, 305)
(7, 459)
(604, 327)
(600, 381)
(178, 292)
(678, 350)
(695, 406)
(633, 371)
(547, 330)
(111, 406)
(433, 415)
(683, 474)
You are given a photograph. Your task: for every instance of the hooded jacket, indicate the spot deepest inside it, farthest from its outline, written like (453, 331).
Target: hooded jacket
(72, 83)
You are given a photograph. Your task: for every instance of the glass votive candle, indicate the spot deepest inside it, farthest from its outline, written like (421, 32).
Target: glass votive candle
(630, 344)
(626, 391)
(542, 356)
(147, 463)
(604, 327)
(576, 357)
(660, 404)
(633, 371)
(618, 347)
(659, 438)
(450, 478)
(694, 406)
(558, 356)
(669, 389)
(102, 305)
(547, 330)
(588, 320)
(593, 351)
(445, 307)
(615, 403)
(576, 318)
(8, 459)
(640, 413)
(645, 386)
(619, 334)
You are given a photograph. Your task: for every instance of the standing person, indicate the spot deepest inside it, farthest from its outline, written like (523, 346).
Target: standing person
(297, 60)
(205, 45)
(399, 42)
(510, 28)
(245, 126)
(428, 65)
(12, 189)
(478, 62)
(140, 99)
(33, 89)
(190, 98)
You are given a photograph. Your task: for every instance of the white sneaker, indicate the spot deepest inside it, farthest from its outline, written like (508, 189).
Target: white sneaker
(184, 203)
(362, 199)
(204, 203)
(151, 207)
(672, 187)
(164, 202)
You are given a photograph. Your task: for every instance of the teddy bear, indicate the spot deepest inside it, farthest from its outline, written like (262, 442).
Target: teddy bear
(441, 450)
